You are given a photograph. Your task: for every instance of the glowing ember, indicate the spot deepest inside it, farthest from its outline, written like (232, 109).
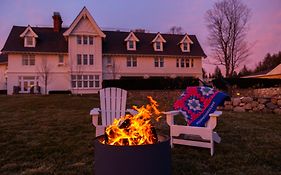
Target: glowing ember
(134, 130)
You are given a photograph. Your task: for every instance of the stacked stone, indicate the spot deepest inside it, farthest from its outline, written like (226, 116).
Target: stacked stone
(250, 104)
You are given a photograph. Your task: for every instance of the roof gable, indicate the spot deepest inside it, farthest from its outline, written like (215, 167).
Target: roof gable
(159, 38)
(276, 70)
(28, 32)
(133, 36)
(186, 39)
(84, 14)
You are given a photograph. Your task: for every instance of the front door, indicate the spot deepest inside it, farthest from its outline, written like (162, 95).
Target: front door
(26, 83)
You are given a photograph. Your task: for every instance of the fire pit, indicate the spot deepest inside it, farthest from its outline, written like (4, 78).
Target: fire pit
(147, 159)
(130, 145)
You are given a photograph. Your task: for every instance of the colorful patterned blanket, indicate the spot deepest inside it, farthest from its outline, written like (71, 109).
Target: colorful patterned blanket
(196, 103)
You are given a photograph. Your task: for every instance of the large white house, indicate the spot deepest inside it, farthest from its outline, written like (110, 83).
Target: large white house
(80, 57)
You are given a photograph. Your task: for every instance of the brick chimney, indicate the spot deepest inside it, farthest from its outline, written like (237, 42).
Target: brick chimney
(57, 21)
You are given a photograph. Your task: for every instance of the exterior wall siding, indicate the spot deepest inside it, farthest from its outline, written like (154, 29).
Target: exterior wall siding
(58, 78)
(84, 28)
(145, 67)
(3, 83)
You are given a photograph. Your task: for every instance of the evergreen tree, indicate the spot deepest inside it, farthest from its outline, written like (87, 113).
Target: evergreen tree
(217, 73)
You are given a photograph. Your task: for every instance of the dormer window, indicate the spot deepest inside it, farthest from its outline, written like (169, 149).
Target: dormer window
(131, 45)
(29, 37)
(185, 43)
(158, 46)
(131, 40)
(29, 41)
(185, 46)
(158, 42)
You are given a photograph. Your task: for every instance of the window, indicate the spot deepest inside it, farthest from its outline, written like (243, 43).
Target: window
(85, 59)
(185, 62)
(182, 62)
(185, 46)
(79, 59)
(29, 40)
(85, 39)
(131, 45)
(131, 62)
(25, 61)
(79, 40)
(85, 81)
(61, 59)
(91, 40)
(32, 60)
(97, 81)
(158, 45)
(28, 60)
(91, 59)
(158, 62)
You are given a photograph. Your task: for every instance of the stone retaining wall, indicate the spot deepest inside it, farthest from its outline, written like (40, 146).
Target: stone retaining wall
(262, 92)
(254, 104)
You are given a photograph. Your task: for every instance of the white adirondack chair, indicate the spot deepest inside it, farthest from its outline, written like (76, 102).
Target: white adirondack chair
(112, 105)
(207, 134)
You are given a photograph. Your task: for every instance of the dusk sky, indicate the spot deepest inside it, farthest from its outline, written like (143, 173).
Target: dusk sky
(153, 15)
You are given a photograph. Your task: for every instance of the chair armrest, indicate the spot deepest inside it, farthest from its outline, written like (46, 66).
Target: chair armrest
(171, 112)
(170, 116)
(95, 111)
(212, 123)
(216, 114)
(132, 111)
(95, 116)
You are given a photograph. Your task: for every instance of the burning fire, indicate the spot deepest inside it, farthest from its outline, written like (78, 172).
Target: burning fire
(134, 129)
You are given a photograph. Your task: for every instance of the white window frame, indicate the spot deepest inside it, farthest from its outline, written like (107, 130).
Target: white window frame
(91, 59)
(79, 39)
(158, 62)
(185, 47)
(132, 61)
(85, 40)
(91, 40)
(185, 63)
(26, 42)
(129, 45)
(85, 81)
(79, 59)
(28, 60)
(160, 46)
(85, 60)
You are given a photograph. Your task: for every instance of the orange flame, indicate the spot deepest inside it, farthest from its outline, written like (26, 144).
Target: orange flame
(134, 130)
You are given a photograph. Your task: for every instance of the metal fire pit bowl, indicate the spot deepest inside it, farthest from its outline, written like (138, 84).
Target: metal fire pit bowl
(152, 159)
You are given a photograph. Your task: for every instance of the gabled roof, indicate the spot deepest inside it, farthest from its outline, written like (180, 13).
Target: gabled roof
(275, 71)
(186, 38)
(114, 44)
(158, 36)
(84, 13)
(54, 42)
(3, 58)
(28, 29)
(132, 35)
(47, 41)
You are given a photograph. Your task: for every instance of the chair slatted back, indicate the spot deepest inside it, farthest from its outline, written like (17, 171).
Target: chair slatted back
(113, 104)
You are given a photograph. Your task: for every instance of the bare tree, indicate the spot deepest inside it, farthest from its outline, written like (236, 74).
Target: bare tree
(43, 72)
(176, 30)
(227, 24)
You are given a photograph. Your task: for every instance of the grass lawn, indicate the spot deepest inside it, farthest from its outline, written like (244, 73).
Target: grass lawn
(53, 135)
